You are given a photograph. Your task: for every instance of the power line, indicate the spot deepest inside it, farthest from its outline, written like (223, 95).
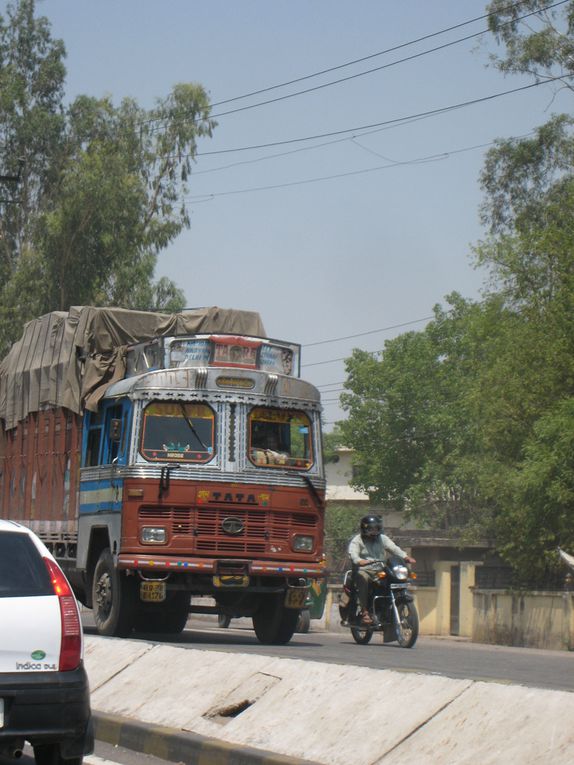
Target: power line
(394, 121)
(209, 196)
(369, 332)
(369, 57)
(370, 71)
(379, 68)
(332, 387)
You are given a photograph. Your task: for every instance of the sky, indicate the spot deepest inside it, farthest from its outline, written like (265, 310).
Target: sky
(339, 241)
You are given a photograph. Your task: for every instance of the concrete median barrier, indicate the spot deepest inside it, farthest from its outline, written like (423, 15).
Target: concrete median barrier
(324, 713)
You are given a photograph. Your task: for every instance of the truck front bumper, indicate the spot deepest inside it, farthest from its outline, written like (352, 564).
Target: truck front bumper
(211, 565)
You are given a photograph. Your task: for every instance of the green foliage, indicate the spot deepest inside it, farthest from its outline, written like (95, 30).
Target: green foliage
(538, 516)
(457, 424)
(540, 45)
(341, 523)
(32, 74)
(103, 187)
(331, 442)
(518, 171)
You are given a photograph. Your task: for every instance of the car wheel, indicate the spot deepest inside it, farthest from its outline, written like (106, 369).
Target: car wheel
(49, 754)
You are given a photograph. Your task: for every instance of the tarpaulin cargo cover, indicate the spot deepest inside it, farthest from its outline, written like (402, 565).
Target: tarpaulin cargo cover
(69, 359)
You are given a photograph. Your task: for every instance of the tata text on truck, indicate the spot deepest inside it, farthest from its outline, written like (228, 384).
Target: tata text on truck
(169, 462)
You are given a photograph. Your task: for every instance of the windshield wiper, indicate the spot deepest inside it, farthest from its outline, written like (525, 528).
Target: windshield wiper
(191, 426)
(313, 490)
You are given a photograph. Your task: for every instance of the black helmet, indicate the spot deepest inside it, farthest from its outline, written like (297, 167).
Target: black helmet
(371, 526)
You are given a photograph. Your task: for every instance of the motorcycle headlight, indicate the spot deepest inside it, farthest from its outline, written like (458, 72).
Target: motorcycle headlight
(400, 572)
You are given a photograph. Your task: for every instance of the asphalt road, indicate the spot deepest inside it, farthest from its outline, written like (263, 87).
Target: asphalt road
(449, 657)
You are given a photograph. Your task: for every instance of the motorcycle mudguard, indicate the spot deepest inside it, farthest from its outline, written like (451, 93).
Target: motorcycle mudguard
(405, 598)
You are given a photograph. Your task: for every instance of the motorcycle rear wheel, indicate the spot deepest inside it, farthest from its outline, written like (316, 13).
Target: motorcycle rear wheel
(361, 635)
(408, 630)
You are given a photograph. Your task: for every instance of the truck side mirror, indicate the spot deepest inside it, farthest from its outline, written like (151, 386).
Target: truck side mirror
(115, 430)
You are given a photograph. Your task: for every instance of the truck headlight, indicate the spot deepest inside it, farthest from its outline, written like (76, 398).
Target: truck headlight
(153, 535)
(302, 543)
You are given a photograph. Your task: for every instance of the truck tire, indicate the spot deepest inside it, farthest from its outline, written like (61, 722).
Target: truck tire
(223, 621)
(164, 618)
(304, 621)
(273, 623)
(113, 598)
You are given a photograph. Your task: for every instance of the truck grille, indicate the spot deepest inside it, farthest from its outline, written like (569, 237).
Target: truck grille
(202, 527)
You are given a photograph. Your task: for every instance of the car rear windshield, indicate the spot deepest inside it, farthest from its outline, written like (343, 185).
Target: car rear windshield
(23, 573)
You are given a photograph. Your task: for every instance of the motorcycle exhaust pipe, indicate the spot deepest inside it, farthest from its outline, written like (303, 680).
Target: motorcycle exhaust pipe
(17, 753)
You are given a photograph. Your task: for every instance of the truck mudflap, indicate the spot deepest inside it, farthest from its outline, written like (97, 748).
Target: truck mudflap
(213, 566)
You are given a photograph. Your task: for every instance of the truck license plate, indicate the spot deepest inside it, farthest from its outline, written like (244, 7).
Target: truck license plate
(296, 597)
(1, 713)
(152, 592)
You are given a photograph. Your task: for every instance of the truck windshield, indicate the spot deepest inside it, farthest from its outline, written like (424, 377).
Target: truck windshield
(177, 432)
(280, 437)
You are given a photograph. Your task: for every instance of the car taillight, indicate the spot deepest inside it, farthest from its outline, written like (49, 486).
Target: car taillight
(71, 644)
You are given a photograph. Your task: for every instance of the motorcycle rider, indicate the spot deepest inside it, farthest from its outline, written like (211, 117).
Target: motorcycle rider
(368, 546)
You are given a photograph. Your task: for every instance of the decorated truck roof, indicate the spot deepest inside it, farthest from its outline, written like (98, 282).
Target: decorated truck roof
(69, 359)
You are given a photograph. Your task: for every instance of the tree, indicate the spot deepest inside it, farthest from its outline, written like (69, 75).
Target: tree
(410, 418)
(120, 199)
(541, 46)
(32, 75)
(108, 190)
(441, 423)
(540, 507)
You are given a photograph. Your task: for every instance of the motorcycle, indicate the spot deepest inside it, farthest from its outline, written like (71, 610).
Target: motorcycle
(391, 606)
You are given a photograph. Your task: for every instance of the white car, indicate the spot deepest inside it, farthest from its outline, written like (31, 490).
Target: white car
(44, 692)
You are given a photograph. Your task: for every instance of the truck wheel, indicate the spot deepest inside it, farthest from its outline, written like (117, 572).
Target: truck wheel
(273, 623)
(304, 621)
(169, 617)
(113, 598)
(223, 621)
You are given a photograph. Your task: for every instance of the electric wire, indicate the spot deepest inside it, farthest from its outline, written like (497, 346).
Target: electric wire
(394, 121)
(370, 71)
(412, 57)
(368, 332)
(373, 55)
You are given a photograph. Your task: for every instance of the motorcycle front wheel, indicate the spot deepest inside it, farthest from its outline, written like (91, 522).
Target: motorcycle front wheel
(408, 629)
(362, 636)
